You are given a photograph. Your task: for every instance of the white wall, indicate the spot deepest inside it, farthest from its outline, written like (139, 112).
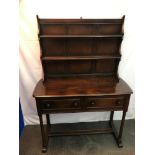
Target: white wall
(29, 63)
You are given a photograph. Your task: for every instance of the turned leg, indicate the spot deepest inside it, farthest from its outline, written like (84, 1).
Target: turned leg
(48, 126)
(121, 129)
(48, 121)
(111, 117)
(44, 143)
(117, 136)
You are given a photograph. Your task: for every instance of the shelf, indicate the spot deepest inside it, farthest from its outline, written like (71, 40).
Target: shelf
(91, 23)
(81, 75)
(82, 36)
(80, 21)
(79, 57)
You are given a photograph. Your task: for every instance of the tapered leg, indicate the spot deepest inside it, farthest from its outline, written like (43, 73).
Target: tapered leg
(44, 139)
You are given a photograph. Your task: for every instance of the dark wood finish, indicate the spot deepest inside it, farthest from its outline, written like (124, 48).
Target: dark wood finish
(44, 135)
(48, 121)
(81, 36)
(81, 132)
(118, 136)
(105, 103)
(56, 58)
(83, 86)
(111, 116)
(80, 59)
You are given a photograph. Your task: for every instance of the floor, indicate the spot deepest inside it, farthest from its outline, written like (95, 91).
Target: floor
(99, 144)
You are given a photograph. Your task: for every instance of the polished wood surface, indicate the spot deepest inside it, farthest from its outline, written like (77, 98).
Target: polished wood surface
(81, 36)
(80, 59)
(81, 86)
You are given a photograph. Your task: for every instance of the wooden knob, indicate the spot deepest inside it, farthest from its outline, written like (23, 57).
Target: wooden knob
(48, 105)
(118, 102)
(92, 103)
(75, 104)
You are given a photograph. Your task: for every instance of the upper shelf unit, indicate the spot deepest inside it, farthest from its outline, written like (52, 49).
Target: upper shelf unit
(80, 46)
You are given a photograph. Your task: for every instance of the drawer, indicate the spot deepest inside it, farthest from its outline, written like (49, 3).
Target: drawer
(60, 105)
(105, 103)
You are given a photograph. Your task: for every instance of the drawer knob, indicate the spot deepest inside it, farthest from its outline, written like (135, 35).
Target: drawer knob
(48, 105)
(92, 103)
(118, 102)
(75, 104)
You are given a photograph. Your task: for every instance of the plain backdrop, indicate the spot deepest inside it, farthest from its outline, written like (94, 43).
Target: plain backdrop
(30, 69)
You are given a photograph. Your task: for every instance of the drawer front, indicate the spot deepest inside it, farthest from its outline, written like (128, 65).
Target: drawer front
(60, 105)
(105, 103)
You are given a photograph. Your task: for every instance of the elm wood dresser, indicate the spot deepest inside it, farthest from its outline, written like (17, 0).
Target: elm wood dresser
(80, 59)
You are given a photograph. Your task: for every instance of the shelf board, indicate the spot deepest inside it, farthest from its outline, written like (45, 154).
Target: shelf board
(82, 74)
(82, 36)
(82, 23)
(79, 57)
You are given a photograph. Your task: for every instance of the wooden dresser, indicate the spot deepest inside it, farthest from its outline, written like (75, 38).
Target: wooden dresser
(80, 59)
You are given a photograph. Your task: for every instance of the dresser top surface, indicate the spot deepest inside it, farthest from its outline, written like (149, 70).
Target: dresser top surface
(81, 86)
